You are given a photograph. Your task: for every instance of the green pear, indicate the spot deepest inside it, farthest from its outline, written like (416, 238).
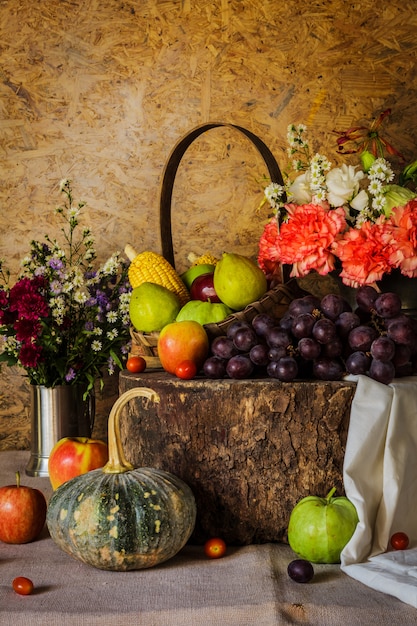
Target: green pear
(238, 281)
(152, 307)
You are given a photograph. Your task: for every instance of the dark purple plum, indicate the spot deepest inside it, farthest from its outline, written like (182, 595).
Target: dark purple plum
(244, 339)
(235, 326)
(333, 349)
(328, 369)
(382, 371)
(277, 337)
(333, 305)
(309, 348)
(276, 353)
(346, 322)
(358, 363)
(388, 304)
(286, 322)
(302, 325)
(324, 330)
(214, 367)
(401, 330)
(259, 354)
(361, 338)
(306, 304)
(365, 297)
(223, 347)
(239, 366)
(300, 570)
(286, 369)
(261, 322)
(383, 348)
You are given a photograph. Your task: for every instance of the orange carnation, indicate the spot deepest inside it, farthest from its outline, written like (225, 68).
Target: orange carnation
(403, 227)
(268, 257)
(306, 240)
(365, 253)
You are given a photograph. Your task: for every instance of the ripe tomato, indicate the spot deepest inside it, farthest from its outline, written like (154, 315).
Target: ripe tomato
(136, 364)
(215, 548)
(399, 541)
(22, 585)
(186, 370)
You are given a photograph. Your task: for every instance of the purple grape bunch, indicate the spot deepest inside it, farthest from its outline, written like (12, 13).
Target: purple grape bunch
(321, 339)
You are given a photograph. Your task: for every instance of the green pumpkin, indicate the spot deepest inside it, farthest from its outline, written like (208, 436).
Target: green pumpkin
(118, 517)
(204, 312)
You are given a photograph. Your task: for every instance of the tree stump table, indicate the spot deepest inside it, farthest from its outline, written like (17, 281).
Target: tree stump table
(249, 449)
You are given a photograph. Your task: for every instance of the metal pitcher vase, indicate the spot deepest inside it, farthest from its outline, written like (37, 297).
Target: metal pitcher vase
(57, 412)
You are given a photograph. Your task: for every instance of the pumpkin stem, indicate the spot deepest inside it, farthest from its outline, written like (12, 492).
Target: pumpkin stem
(117, 463)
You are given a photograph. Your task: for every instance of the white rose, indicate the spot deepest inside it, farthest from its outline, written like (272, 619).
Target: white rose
(342, 184)
(361, 201)
(300, 191)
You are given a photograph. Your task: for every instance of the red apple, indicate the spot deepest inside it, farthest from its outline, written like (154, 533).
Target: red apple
(73, 456)
(202, 288)
(182, 341)
(22, 513)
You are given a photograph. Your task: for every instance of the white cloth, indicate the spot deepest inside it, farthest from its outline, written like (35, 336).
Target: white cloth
(380, 478)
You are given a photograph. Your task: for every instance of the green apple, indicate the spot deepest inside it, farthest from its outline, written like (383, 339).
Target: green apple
(319, 528)
(152, 307)
(194, 271)
(204, 312)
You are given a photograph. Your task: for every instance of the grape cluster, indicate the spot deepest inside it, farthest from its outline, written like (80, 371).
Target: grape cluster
(322, 339)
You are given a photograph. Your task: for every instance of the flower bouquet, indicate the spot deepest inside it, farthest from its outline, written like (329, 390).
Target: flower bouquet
(353, 218)
(64, 321)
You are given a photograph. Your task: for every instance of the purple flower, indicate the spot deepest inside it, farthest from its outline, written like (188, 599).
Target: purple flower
(56, 264)
(70, 375)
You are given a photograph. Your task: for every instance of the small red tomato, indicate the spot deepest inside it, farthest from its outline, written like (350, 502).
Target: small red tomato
(136, 364)
(215, 548)
(186, 370)
(22, 585)
(399, 541)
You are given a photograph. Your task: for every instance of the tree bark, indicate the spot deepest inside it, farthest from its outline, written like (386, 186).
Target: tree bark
(249, 449)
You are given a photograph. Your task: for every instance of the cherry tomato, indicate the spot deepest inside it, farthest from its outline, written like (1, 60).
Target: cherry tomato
(22, 585)
(399, 541)
(136, 364)
(215, 548)
(186, 370)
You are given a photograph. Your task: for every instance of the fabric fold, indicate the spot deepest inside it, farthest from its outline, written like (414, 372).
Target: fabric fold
(380, 478)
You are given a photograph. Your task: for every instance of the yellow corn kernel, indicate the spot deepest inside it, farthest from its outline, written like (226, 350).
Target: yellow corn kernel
(151, 267)
(204, 259)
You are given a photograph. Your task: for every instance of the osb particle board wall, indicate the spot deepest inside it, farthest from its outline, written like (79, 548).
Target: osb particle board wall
(101, 91)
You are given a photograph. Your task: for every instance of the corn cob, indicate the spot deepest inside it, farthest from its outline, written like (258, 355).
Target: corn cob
(151, 267)
(204, 259)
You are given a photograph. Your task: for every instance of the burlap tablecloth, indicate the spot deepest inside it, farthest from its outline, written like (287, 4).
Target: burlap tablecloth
(248, 587)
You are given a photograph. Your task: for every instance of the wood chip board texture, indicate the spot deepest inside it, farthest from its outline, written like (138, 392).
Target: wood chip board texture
(100, 92)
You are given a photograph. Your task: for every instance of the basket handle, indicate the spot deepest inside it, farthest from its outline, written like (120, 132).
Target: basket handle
(171, 168)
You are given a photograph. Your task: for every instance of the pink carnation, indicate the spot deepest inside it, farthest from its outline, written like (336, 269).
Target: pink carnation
(365, 253)
(403, 227)
(306, 240)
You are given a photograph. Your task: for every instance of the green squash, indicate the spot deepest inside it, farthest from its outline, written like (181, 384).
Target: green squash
(120, 518)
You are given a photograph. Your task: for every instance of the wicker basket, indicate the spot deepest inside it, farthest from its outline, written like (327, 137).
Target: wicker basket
(275, 301)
